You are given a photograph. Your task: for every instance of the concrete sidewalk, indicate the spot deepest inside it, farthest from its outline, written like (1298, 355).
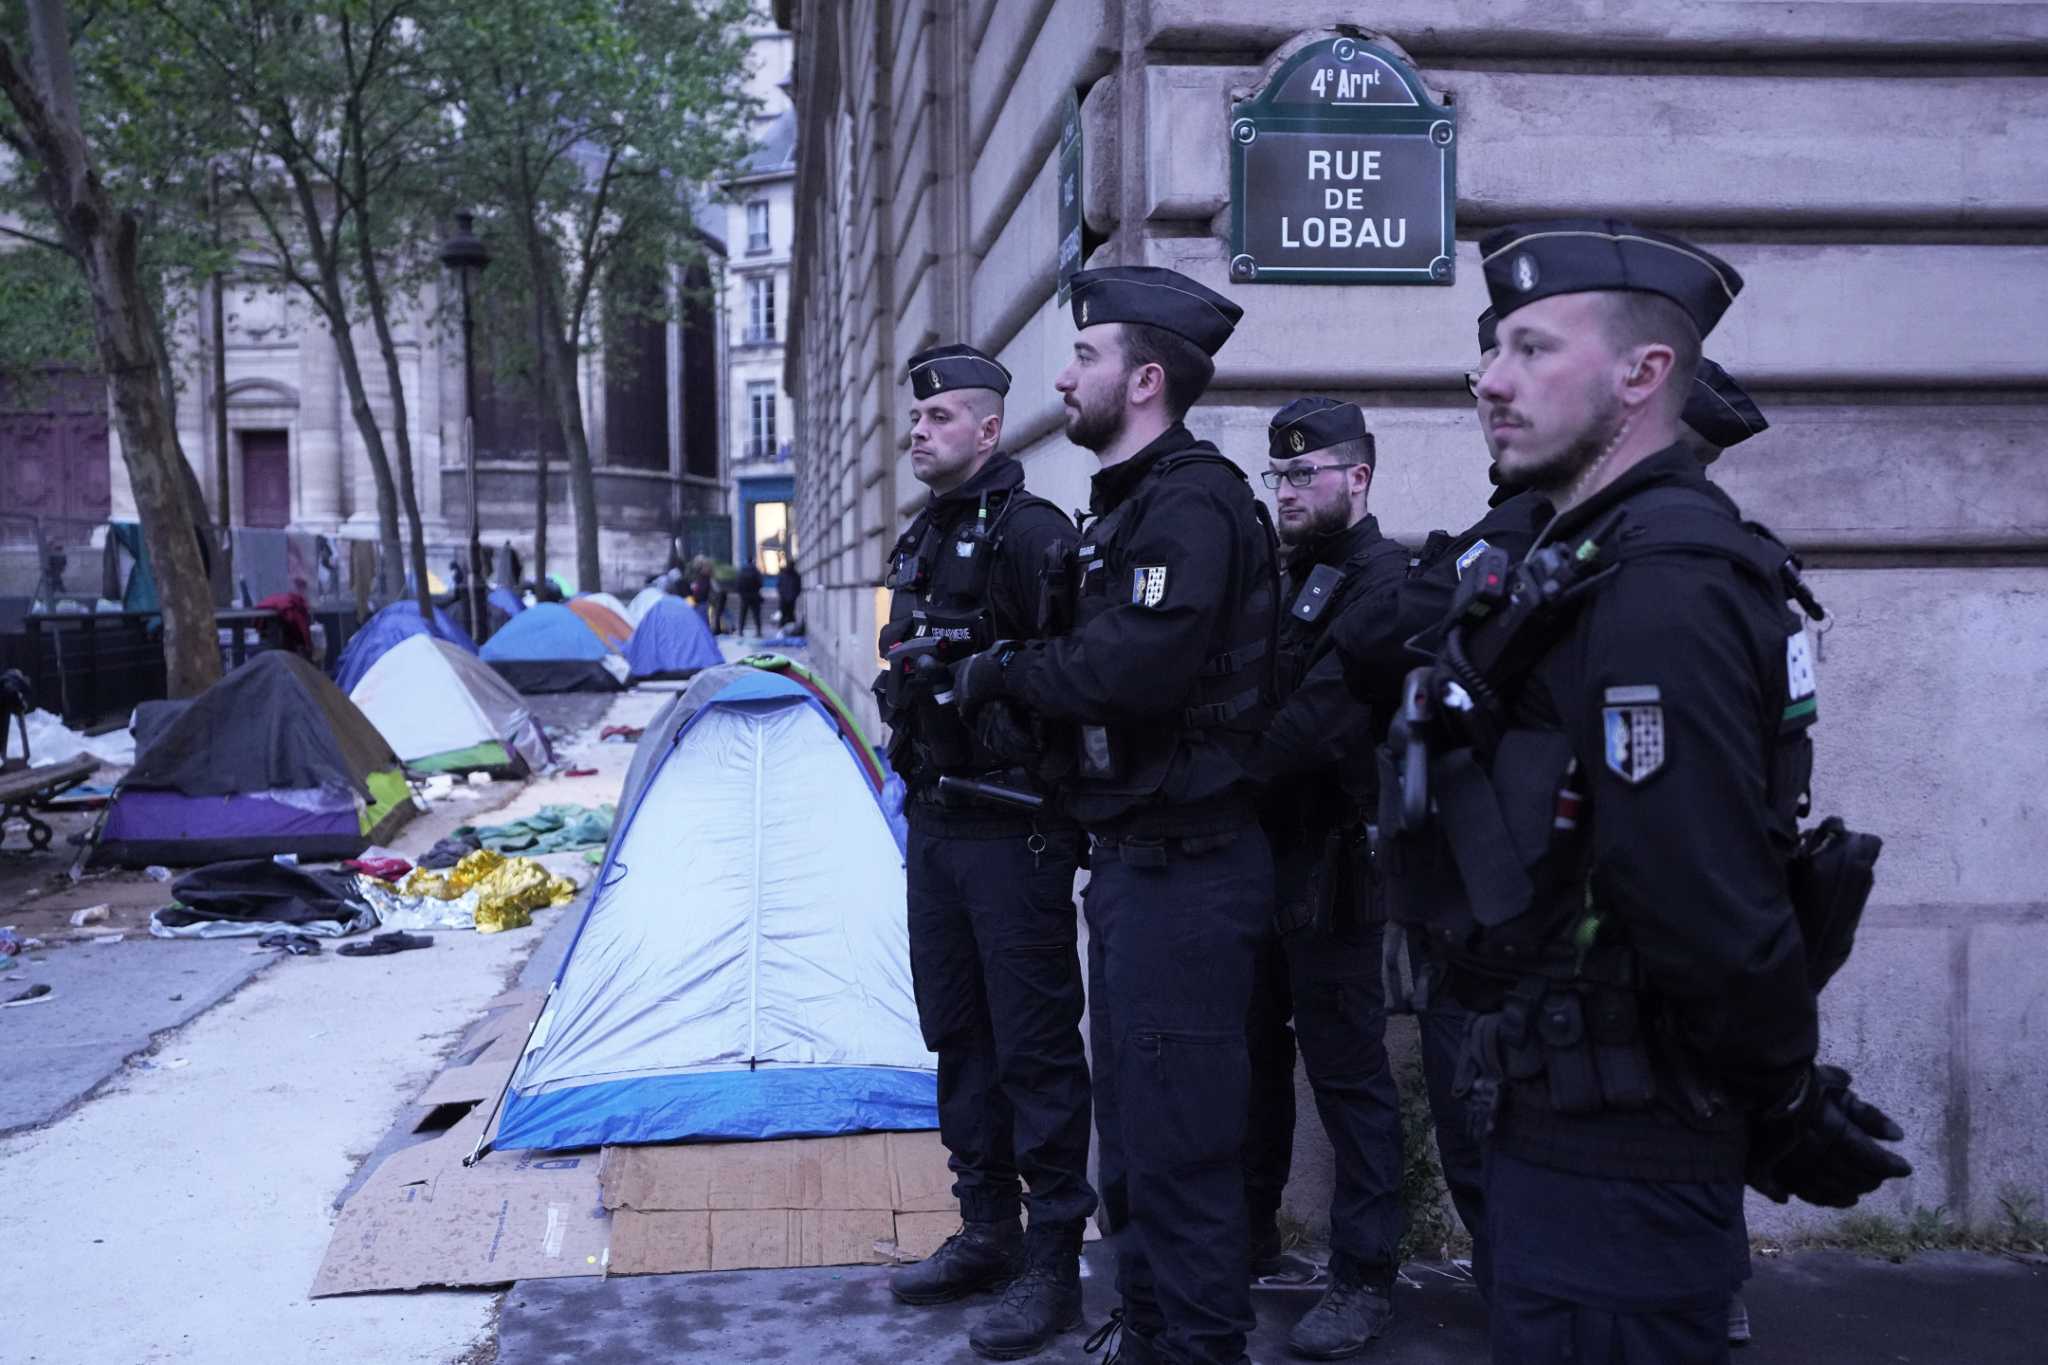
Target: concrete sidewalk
(1809, 1309)
(181, 1213)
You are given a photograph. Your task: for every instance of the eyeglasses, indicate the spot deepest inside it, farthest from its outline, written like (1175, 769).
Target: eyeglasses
(1302, 475)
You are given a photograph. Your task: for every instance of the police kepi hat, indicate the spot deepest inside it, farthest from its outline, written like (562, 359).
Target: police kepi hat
(1158, 297)
(1489, 330)
(945, 368)
(1316, 424)
(1532, 261)
(1719, 410)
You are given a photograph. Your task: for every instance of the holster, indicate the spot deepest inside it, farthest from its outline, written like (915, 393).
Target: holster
(1830, 876)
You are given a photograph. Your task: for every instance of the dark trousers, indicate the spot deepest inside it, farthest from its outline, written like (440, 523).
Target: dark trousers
(750, 606)
(1330, 989)
(998, 981)
(785, 609)
(1441, 1024)
(1170, 955)
(1596, 1271)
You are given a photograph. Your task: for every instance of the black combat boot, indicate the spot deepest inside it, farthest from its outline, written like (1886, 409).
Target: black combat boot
(1043, 1301)
(979, 1256)
(1355, 1309)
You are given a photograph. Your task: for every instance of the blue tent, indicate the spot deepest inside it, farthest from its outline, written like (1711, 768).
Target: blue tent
(398, 621)
(547, 648)
(742, 969)
(505, 600)
(671, 641)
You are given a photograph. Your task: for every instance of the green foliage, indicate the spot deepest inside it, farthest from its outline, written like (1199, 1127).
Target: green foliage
(2019, 1229)
(1433, 1231)
(45, 312)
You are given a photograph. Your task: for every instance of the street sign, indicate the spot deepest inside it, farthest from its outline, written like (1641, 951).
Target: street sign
(1070, 193)
(1343, 170)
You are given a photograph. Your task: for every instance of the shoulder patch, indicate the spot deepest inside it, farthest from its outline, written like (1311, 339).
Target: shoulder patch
(1800, 683)
(1478, 548)
(1148, 585)
(1633, 730)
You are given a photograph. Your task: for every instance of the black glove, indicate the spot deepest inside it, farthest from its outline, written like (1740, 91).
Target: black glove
(978, 678)
(1006, 733)
(1821, 1145)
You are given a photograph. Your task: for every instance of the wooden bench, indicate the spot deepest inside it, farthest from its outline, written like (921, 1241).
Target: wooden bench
(23, 791)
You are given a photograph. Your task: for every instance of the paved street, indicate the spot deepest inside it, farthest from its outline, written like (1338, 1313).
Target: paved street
(1938, 1309)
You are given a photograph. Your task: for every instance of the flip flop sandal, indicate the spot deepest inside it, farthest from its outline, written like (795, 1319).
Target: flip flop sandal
(397, 941)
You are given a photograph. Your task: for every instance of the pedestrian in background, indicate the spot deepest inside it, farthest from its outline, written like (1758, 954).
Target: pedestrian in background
(747, 583)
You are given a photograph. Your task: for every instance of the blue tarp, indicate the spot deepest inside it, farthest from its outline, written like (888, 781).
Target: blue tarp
(387, 627)
(671, 639)
(544, 631)
(505, 600)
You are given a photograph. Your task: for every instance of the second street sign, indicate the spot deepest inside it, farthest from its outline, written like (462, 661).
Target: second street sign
(1343, 170)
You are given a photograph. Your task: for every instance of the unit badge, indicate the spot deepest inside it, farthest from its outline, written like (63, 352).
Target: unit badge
(1524, 271)
(1633, 723)
(1148, 585)
(1479, 548)
(1296, 441)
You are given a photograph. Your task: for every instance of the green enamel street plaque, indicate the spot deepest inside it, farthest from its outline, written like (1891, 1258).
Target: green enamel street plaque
(1343, 171)
(1070, 194)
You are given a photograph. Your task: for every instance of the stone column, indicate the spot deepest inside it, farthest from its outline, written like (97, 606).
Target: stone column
(323, 484)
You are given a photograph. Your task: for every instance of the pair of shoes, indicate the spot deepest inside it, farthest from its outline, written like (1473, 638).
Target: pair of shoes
(979, 1256)
(1043, 1301)
(1738, 1321)
(1351, 1313)
(397, 941)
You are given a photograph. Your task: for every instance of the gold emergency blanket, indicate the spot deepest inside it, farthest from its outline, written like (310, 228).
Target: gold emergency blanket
(507, 890)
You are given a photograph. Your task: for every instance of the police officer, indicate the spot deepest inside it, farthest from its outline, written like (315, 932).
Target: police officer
(992, 925)
(1320, 965)
(1165, 680)
(1615, 742)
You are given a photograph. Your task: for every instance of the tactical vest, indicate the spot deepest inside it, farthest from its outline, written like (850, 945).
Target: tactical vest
(939, 579)
(1314, 602)
(1121, 770)
(1499, 879)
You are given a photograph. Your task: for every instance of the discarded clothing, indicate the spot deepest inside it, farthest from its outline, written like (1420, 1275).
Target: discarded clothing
(450, 851)
(383, 869)
(556, 829)
(255, 896)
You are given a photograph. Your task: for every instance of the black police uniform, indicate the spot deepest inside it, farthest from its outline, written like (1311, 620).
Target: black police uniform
(992, 924)
(1613, 896)
(1165, 678)
(1320, 967)
(992, 928)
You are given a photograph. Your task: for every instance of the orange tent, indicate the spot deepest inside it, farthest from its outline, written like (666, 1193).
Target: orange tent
(605, 623)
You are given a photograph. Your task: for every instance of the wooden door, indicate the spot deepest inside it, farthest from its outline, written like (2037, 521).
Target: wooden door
(266, 479)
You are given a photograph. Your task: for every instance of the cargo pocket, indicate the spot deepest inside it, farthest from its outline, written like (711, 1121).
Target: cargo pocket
(1183, 1099)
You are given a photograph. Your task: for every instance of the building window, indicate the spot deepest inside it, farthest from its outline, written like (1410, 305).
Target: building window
(757, 227)
(760, 311)
(761, 420)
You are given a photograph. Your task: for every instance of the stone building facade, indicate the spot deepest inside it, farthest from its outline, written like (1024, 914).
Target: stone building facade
(296, 457)
(760, 224)
(1875, 168)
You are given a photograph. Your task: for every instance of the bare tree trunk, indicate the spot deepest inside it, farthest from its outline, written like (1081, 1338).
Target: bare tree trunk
(540, 380)
(334, 304)
(560, 356)
(105, 243)
(408, 492)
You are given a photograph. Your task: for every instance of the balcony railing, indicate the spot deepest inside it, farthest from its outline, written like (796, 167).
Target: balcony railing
(757, 245)
(758, 336)
(769, 449)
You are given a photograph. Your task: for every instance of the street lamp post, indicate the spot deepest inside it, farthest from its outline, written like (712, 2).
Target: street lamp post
(465, 254)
